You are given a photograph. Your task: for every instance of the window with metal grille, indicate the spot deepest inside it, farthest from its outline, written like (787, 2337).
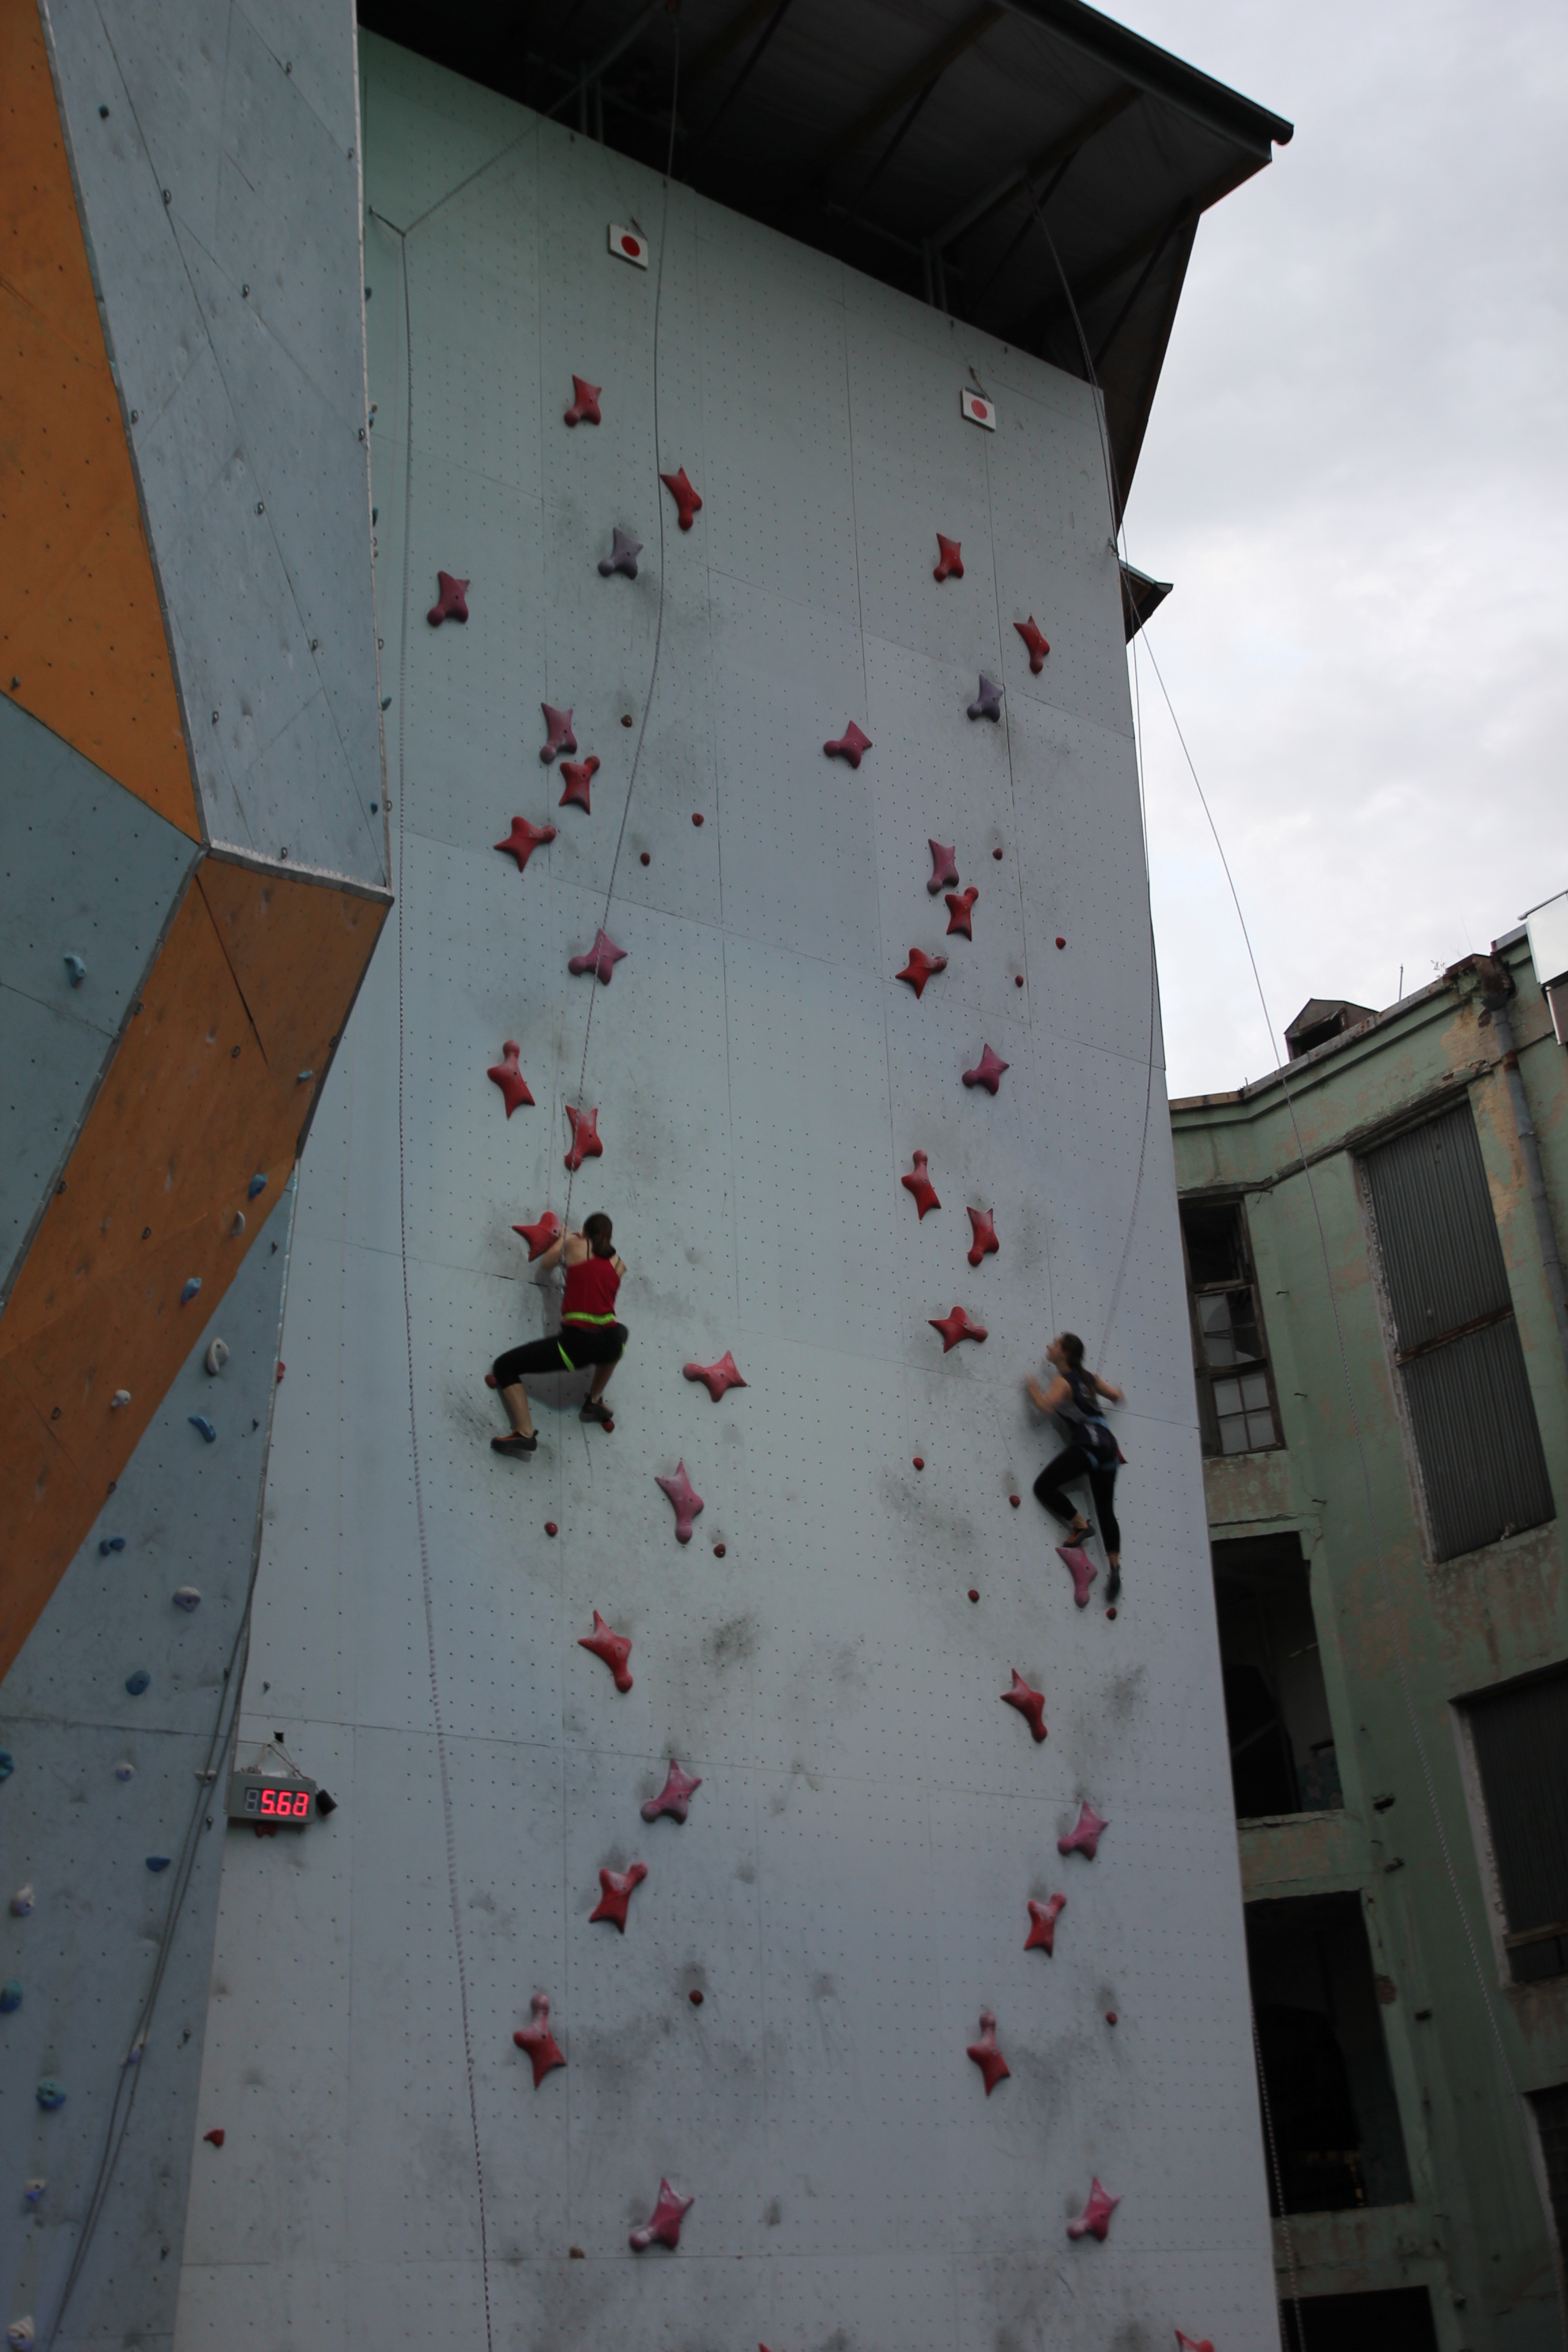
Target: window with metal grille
(1235, 1398)
(1520, 1735)
(1455, 1343)
(1551, 2111)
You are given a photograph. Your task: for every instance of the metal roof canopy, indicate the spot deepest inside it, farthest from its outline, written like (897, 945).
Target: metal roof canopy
(942, 147)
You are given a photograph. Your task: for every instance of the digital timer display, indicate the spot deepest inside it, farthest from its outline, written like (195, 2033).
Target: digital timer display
(271, 1803)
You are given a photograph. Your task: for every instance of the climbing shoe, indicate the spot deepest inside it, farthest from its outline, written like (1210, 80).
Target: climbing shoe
(516, 1445)
(1113, 1587)
(593, 1409)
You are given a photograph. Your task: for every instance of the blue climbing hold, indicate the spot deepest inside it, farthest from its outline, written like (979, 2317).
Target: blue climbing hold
(258, 1184)
(10, 1996)
(77, 970)
(137, 1682)
(190, 1289)
(157, 1861)
(50, 2093)
(199, 1421)
(110, 1543)
(7, 1763)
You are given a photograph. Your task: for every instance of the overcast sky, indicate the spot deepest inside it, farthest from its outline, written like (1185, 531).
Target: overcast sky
(1355, 478)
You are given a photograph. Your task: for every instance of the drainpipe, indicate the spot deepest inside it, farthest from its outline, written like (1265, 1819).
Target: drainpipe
(1496, 988)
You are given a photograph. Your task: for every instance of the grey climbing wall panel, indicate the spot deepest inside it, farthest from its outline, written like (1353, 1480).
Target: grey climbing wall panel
(849, 1891)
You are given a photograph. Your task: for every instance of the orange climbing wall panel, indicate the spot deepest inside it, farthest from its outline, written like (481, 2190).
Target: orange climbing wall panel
(81, 626)
(252, 987)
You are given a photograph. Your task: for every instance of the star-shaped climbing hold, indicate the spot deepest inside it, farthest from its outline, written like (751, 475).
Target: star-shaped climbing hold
(586, 1143)
(955, 1327)
(919, 968)
(988, 1071)
(960, 912)
(1084, 1836)
(1203, 2344)
(600, 960)
(616, 1888)
(524, 839)
(1043, 1917)
(614, 1648)
(986, 2055)
(716, 1378)
(1031, 1704)
(950, 559)
(540, 1237)
(1081, 1570)
(1037, 647)
(943, 866)
(1094, 2221)
(849, 745)
(919, 1183)
(579, 775)
(985, 1244)
(584, 408)
(987, 703)
(539, 2041)
(451, 605)
(687, 502)
(506, 1074)
(675, 1797)
(623, 556)
(558, 733)
(686, 1500)
(663, 2223)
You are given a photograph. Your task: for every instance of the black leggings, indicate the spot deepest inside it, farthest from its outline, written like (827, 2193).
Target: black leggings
(577, 1345)
(1073, 1463)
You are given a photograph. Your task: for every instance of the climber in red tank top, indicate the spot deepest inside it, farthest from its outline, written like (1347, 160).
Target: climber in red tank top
(589, 1333)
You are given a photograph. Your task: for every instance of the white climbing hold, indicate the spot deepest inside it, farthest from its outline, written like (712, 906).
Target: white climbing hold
(238, 1225)
(121, 1396)
(216, 1356)
(77, 970)
(23, 1903)
(125, 1770)
(21, 2336)
(187, 1597)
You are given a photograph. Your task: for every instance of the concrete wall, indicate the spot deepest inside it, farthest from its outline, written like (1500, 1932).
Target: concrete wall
(850, 1890)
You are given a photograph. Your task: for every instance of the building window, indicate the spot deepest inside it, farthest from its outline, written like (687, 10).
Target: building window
(1276, 1705)
(1395, 2319)
(1520, 1736)
(1551, 2112)
(1456, 1352)
(1235, 1399)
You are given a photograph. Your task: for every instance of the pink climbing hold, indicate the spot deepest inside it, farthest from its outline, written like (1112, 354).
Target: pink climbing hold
(539, 2041)
(943, 866)
(663, 2223)
(558, 733)
(217, 2137)
(584, 408)
(524, 839)
(586, 1143)
(600, 960)
(986, 1244)
(919, 968)
(541, 1236)
(1094, 2221)
(986, 2055)
(919, 1183)
(675, 1797)
(960, 912)
(1037, 647)
(687, 502)
(1086, 1834)
(452, 603)
(579, 775)
(614, 1648)
(950, 559)
(686, 1500)
(510, 1078)
(1043, 1917)
(616, 1888)
(1203, 2344)
(1081, 1570)
(988, 1071)
(1031, 1704)
(954, 1327)
(716, 1378)
(849, 745)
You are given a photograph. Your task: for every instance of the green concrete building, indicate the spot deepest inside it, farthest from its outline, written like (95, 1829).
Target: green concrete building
(1375, 1241)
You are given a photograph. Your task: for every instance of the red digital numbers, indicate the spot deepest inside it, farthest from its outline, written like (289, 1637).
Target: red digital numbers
(286, 1805)
(269, 1801)
(301, 1803)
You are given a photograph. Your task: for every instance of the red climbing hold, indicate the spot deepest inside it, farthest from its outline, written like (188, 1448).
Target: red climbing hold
(663, 2222)
(687, 502)
(1081, 1570)
(551, 1528)
(919, 1183)
(539, 1237)
(616, 1888)
(1086, 1834)
(675, 1797)
(1043, 1917)
(579, 775)
(1110, 2017)
(920, 1461)
(1015, 1500)
(584, 408)
(539, 2041)
(586, 1143)
(685, 1498)
(1203, 2344)
(960, 912)
(558, 733)
(1060, 942)
(1094, 2221)
(955, 1327)
(510, 1078)
(600, 960)
(985, 1243)
(216, 2138)
(920, 968)
(718, 1551)
(716, 1378)
(986, 2055)
(696, 817)
(524, 839)
(950, 559)
(972, 1594)
(1037, 647)
(988, 1071)
(997, 854)
(614, 1648)
(452, 603)
(1031, 1704)
(849, 745)
(943, 866)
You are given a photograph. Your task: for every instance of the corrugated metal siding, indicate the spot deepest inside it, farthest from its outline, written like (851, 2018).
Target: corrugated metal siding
(1522, 1750)
(1440, 1250)
(1476, 1433)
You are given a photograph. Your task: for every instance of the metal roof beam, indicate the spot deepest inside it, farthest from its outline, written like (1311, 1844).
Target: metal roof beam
(1154, 70)
(1095, 281)
(909, 85)
(1060, 152)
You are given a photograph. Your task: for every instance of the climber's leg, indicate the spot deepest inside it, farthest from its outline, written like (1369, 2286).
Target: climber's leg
(538, 1355)
(1071, 1464)
(604, 1362)
(1103, 1484)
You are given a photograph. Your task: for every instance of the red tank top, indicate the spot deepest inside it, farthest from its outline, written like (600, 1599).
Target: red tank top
(591, 1290)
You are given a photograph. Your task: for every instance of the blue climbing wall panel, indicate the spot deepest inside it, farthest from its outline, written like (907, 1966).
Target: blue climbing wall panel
(850, 1892)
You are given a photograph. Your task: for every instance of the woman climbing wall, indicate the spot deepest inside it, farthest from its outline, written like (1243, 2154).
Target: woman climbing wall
(589, 1333)
(1091, 1451)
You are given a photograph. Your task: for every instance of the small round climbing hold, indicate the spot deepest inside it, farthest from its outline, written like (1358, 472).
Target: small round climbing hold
(125, 1770)
(551, 1528)
(1110, 1613)
(256, 1184)
(120, 1397)
(137, 1681)
(696, 817)
(157, 1861)
(216, 1356)
(996, 853)
(282, 1369)
(920, 1462)
(1110, 2017)
(23, 1903)
(7, 1763)
(1017, 980)
(50, 2093)
(490, 1379)
(718, 1551)
(1015, 1500)
(188, 1599)
(695, 1997)
(626, 719)
(645, 858)
(10, 1996)
(972, 1594)
(190, 1290)
(21, 2336)
(1060, 942)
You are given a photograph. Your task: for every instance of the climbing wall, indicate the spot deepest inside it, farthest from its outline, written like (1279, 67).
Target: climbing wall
(825, 1990)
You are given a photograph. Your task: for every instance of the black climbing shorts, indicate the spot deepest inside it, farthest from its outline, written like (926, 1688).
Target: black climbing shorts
(572, 1350)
